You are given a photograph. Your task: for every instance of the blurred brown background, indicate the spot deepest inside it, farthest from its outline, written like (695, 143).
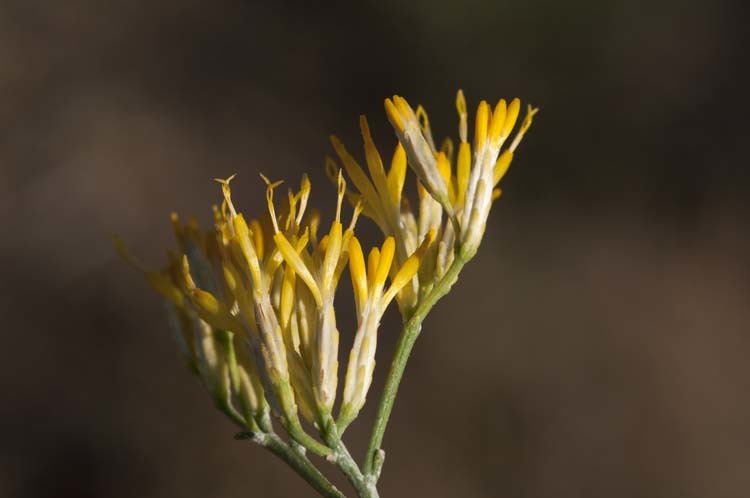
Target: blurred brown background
(596, 347)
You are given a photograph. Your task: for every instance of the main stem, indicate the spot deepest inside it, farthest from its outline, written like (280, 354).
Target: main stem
(405, 344)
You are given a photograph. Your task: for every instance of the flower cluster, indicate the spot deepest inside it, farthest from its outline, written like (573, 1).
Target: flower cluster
(455, 193)
(252, 300)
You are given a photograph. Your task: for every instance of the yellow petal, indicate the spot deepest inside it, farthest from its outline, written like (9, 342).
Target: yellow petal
(256, 231)
(384, 263)
(294, 260)
(397, 175)
(511, 117)
(497, 121)
(409, 269)
(358, 274)
(463, 170)
(393, 115)
(214, 311)
(502, 165)
(287, 296)
(242, 236)
(164, 286)
(444, 167)
(447, 148)
(360, 180)
(481, 122)
(424, 125)
(462, 116)
(331, 260)
(374, 162)
(372, 264)
(404, 108)
(240, 293)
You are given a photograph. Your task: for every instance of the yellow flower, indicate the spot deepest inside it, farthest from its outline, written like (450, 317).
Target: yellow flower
(455, 194)
(319, 268)
(371, 299)
(216, 354)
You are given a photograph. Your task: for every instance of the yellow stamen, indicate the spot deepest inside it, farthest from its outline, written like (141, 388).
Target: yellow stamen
(292, 210)
(304, 195)
(530, 112)
(358, 207)
(340, 199)
(227, 192)
(269, 200)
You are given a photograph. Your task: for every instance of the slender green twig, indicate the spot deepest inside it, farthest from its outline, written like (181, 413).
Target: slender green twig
(406, 340)
(263, 435)
(365, 487)
(343, 460)
(302, 466)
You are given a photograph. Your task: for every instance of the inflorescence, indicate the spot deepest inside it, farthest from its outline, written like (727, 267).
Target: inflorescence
(252, 300)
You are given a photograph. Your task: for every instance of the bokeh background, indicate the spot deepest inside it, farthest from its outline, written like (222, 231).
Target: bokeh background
(596, 347)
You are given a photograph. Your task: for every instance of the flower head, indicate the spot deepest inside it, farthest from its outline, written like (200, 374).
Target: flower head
(455, 194)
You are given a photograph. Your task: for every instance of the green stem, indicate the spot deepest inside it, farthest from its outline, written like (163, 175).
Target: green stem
(405, 344)
(362, 483)
(301, 465)
(295, 458)
(296, 432)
